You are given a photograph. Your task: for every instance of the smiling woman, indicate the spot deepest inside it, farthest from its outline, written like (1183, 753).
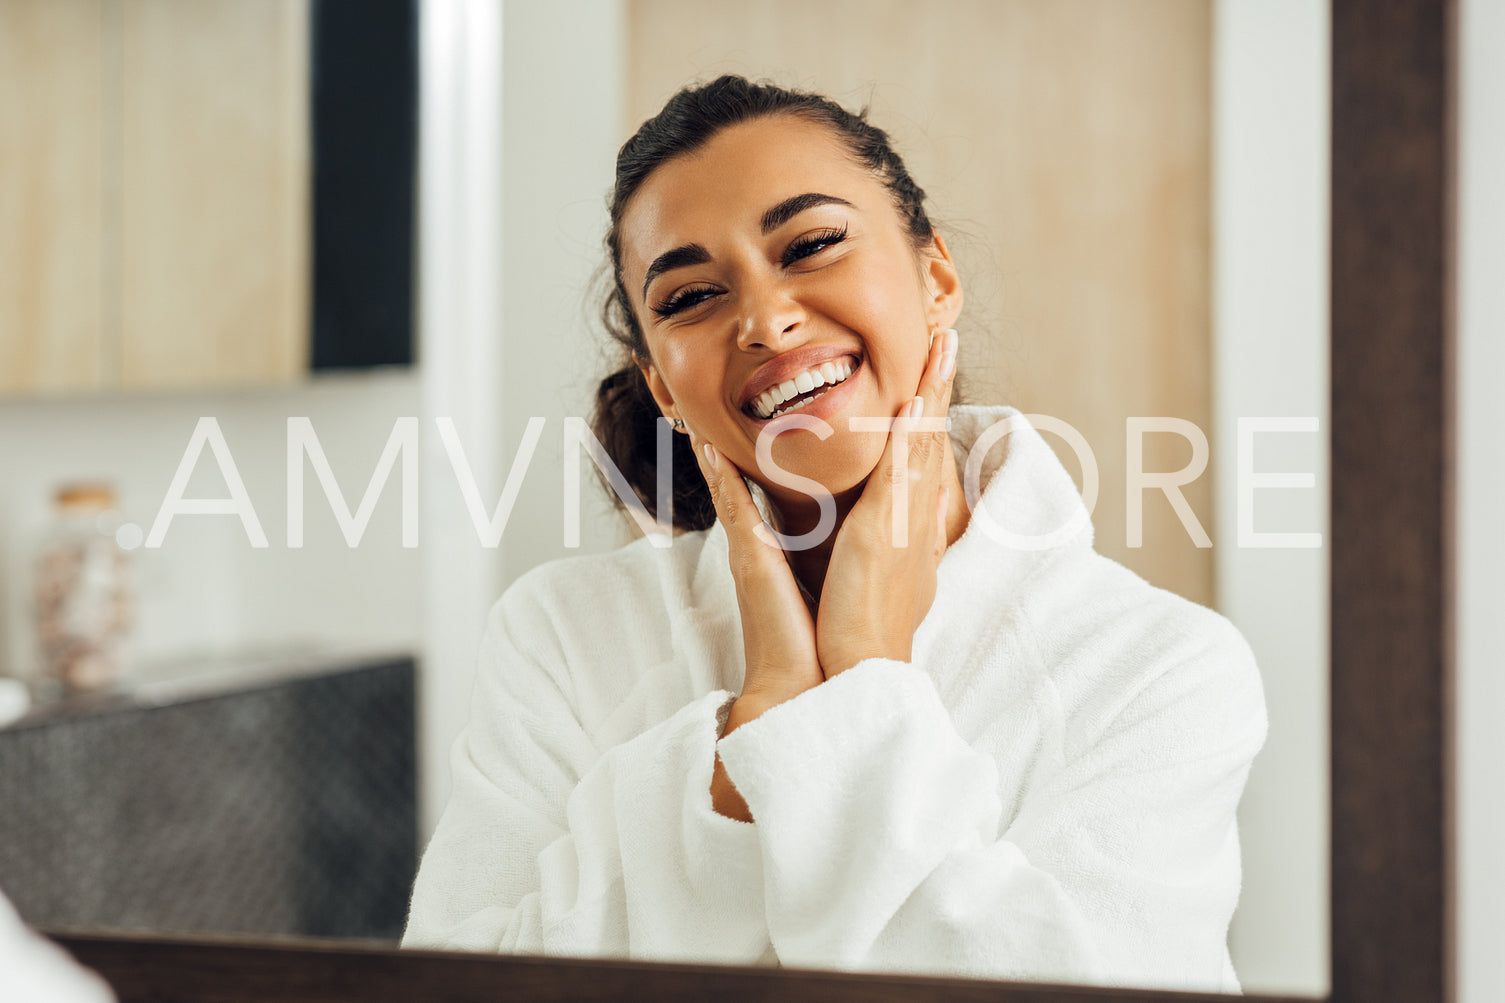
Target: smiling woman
(843, 720)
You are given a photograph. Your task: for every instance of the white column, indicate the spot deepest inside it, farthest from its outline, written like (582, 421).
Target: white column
(1480, 531)
(1270, 357)
(460, 310)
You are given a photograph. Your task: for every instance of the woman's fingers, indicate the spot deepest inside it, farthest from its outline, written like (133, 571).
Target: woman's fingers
(940, 373)
(733, 501)
(928, 440)
(918, 446)
(734, 504)
(942, 508)
(778, 635)
(922, 422)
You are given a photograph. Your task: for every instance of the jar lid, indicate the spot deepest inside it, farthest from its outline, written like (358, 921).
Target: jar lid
(14, 700)
(90, 495)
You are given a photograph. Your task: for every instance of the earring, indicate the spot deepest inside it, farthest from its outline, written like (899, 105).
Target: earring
(677, 423)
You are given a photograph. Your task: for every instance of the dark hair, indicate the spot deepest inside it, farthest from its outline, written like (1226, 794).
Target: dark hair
(626, 414)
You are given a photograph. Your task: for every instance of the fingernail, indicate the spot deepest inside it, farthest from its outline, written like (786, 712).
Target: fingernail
(917, 408)
(948, 365)
(951, 340)
(710, 454)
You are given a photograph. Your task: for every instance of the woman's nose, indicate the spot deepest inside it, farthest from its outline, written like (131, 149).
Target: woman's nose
(769, 318)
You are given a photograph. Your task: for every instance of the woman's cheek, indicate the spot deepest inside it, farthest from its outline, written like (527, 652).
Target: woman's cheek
(876, 304)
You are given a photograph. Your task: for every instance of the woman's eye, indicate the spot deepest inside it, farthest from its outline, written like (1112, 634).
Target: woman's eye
(812, 243)
(684, 299)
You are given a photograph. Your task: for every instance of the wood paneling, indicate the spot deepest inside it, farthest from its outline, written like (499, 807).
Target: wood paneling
(1066, 148)
(205, 970)
(214, 210)
(51, 195)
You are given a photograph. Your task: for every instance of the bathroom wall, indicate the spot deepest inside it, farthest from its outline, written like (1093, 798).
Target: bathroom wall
(1065, 151)
(206, 589)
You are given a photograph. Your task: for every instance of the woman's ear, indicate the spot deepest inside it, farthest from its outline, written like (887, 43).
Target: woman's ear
(943, 285)
(656, 386)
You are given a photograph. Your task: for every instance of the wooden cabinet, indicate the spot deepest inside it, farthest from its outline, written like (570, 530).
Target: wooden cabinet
(52, 317)
(154, 213)
(214, 181)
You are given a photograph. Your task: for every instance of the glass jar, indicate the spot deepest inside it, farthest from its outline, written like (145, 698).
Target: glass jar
(84, 593)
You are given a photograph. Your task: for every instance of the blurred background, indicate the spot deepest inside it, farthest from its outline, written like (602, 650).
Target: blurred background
(360, 213)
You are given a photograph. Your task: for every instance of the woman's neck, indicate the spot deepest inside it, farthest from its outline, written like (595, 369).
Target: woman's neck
(798, 517)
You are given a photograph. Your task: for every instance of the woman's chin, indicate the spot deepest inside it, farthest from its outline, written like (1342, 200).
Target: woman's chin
(801, 477)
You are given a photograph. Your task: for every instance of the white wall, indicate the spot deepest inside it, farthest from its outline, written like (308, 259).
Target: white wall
(206, 590)
(562, 68)
(1270, 352)
(1480, 534)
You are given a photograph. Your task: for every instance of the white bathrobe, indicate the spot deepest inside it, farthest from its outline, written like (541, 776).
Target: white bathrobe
(35, 970)
(1045, 792)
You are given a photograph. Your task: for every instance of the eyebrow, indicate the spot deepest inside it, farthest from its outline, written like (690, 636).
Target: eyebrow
(695, 254)
(687, 254)
(793, 206)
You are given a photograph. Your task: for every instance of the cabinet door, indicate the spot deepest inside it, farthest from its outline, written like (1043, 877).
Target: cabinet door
(214, 211)
(52, 318)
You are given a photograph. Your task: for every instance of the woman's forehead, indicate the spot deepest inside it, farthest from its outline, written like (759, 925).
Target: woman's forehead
(734, 179)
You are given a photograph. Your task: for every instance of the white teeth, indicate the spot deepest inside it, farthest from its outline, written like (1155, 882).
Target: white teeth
(796, 407)
(826, 373)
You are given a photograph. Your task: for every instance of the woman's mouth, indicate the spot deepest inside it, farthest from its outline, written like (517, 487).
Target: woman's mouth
(801, 389)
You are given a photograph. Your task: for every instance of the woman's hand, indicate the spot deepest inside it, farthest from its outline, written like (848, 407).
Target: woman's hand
(778, 635)
(881, 579)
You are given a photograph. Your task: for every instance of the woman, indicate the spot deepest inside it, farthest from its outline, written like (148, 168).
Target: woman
(846, 718)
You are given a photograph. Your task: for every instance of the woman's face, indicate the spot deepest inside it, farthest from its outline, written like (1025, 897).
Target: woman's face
(769, 256)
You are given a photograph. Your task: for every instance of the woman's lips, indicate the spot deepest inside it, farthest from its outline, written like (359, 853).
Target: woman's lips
(788, 366)
(822, 401)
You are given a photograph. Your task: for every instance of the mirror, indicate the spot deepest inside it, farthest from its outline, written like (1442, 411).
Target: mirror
(1129, 183)
(1060, 203)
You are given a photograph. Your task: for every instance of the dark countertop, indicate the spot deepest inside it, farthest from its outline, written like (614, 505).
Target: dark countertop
(196, 677)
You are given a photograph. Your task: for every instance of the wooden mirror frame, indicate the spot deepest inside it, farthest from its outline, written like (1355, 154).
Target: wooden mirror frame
(1393, 152)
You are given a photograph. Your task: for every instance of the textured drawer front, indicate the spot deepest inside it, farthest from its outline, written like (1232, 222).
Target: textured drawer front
(288, 808)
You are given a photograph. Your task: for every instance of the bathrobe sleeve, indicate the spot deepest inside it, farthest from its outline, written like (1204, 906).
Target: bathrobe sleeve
(551, 846)
(886, 845)
(35, 970)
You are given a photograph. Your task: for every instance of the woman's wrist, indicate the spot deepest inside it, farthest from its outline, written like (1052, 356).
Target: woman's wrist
(755, 700)
(898, 649)
(725, 798)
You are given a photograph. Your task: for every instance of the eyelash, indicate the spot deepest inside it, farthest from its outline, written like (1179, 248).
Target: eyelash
(810, 243)
(804, 247)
